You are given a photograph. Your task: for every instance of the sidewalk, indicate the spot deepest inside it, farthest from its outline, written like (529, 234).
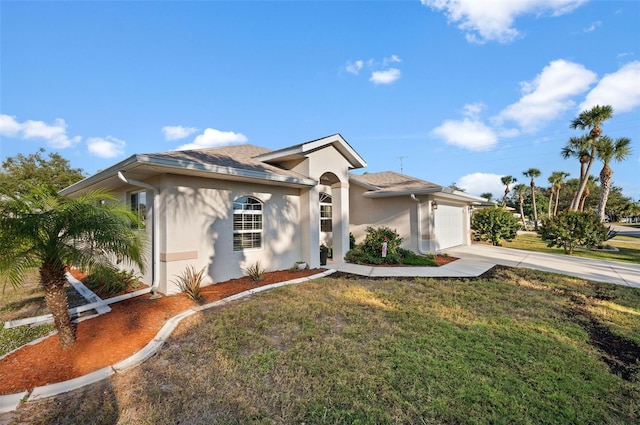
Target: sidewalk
(477, 259)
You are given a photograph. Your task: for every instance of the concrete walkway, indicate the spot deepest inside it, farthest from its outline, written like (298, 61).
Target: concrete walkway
(477, 259)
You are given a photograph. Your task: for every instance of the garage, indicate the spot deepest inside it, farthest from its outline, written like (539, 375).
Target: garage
(449, 226)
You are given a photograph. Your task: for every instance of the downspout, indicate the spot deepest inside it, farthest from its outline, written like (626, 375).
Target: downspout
(154, 232)
(419, 211)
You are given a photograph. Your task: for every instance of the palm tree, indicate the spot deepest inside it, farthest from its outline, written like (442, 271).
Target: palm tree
(590, 119)
(46, 230)
(559, 183)
(556, 180)
(589, 186)
(608, 151)
(506, 181)
(533, 173)
(519, 190)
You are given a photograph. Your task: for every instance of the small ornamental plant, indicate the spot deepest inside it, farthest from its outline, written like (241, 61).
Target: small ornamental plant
(255, 272)
(190, 281)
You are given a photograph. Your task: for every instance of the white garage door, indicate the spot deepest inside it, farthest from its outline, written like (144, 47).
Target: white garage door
(449, 224)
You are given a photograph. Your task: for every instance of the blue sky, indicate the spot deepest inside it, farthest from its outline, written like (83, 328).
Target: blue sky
(456, 91)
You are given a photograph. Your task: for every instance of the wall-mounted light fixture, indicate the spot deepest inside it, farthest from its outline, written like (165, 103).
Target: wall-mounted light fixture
(471, 208)
(434, 204)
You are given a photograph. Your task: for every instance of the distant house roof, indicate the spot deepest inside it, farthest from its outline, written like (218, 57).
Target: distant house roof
(389, 183)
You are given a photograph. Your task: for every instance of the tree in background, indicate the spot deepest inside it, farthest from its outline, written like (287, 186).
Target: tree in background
(506, 181)
(43, 229)
(532, 173)
(488, 196)
(590, 119)
(520, 189)
(21, 172)
(556, 180)
(607, 151)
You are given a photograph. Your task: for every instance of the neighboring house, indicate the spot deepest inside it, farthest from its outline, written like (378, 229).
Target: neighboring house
(230, 207)
(428, 217)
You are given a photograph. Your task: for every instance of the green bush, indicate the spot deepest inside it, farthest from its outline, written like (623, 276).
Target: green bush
(110, 281)
(573, 228)
(372, 244)
(494, 224)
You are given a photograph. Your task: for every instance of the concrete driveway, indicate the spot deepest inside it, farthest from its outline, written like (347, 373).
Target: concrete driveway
(599, 270)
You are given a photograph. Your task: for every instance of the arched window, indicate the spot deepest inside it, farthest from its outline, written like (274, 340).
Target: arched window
(326, 213)
(247, 223)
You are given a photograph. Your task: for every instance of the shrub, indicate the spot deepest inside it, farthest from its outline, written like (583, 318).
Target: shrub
(189, 282)
(573, 228)
(110, 281)
(494, 224)
(372, 244)
(255, 272)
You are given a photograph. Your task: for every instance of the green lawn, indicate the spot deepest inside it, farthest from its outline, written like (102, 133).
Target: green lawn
(517, 346)
(629, 248)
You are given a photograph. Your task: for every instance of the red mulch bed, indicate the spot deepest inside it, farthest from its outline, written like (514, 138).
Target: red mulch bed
(112, 337)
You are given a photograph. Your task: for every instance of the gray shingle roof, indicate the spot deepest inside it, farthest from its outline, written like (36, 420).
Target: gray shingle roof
(239, 157)
(389, 181)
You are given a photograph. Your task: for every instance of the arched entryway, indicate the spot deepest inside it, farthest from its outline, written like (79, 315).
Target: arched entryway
(333, 200)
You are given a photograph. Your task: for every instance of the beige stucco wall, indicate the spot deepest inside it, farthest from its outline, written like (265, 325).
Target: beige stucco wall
(196, 228)
(398, 213)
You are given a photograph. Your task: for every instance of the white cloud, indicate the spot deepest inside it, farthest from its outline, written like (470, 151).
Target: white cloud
(469, 133)
(354, 67)
(177, 132)
(391, 59)
(385, 77)
(9, 127)
(212, 138)
(479, 183)
(494, 22)
(108, 147)
(54, 135)
(620, 90)
(592, 27)
(549, 94)
(381, 73)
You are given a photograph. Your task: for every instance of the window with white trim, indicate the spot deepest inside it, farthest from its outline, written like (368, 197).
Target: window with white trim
(326, 213)
(138, 202)
(247, 223)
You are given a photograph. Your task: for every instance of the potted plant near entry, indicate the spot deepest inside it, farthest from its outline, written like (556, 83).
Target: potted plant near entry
(324, 253)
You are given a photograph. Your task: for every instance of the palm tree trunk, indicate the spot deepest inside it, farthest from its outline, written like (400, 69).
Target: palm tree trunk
(605, 187)
(584, 179)
(524, 223)
(52, 279)
(535, 210)
(551, 193)
(555, 209)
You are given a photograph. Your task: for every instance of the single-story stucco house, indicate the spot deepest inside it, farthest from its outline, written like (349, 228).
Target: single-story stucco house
(227, 208)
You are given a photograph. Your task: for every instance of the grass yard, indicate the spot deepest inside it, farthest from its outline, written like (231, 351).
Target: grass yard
(516, 346)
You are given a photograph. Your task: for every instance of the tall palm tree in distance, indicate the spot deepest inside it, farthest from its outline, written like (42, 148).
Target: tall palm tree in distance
(592, 120)
(42, 229)
(556, 179)
(506, 181)
(519, 190)
(532, 173)
(559, 183)
(609, 150)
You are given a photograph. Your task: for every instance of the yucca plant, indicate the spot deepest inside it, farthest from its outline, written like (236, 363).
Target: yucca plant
(189, 282)
(255, 272)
